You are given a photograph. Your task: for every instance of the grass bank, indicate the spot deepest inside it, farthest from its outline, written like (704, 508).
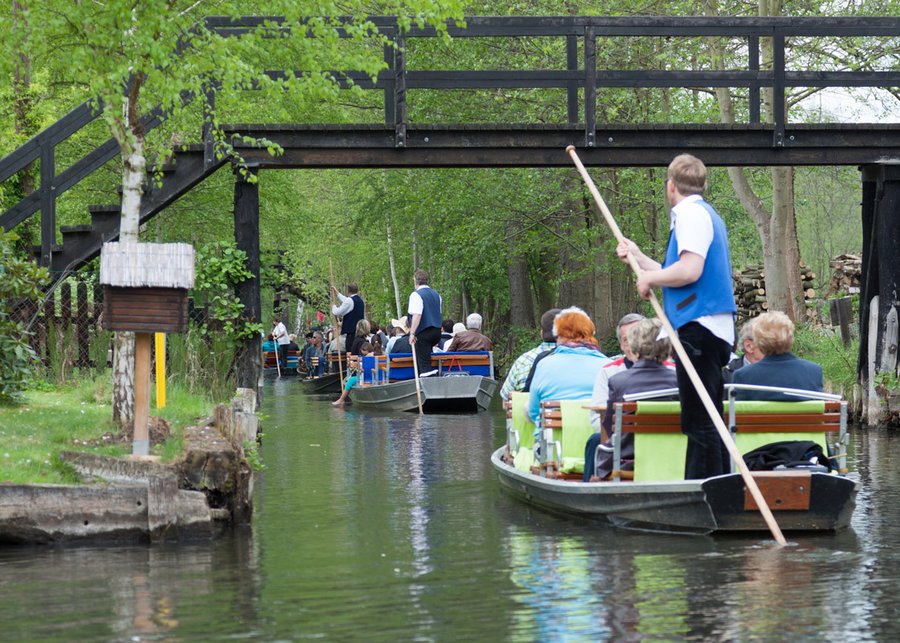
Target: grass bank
(78, 416)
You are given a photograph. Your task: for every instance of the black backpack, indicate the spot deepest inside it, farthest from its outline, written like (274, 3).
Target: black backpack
(791, 454)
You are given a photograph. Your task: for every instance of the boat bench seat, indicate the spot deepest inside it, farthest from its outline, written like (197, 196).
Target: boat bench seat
(659, 445)
(293, 360)
(518, 422)
(448, 364)
(370, 369)
(571, 425)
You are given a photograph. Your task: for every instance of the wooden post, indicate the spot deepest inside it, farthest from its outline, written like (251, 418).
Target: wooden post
(841, 310)
(160, 352)
(246, 237)
(140, 445)
(82, 326)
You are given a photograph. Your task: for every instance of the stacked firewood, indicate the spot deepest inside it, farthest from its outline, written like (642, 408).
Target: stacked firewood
(845, 275)
(750, 289)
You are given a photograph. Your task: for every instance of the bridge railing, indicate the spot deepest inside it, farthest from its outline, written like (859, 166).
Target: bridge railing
(581, 34)
(578, 75)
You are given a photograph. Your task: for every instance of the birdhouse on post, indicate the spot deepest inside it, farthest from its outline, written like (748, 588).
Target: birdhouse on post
(145, 291)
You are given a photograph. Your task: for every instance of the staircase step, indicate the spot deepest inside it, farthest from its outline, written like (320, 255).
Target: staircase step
(104, 215)
(75, 228)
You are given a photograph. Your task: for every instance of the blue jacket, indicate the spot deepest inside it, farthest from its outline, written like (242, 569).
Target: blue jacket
(567, 374)
(785, 370)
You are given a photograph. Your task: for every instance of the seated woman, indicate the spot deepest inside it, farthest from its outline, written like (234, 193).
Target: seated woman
(364, 349)
(362, 336)
(773, 334)
(569, 373)
(649, 373)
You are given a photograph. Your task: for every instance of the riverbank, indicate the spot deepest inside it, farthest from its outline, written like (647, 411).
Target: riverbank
(68, 477)
(78, 417)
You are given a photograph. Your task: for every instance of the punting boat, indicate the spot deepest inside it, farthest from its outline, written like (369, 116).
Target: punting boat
(464, 383)
(653, 494)
(272, 367)
(330, 382)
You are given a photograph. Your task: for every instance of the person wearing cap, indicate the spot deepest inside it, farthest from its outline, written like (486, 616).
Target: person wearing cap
(425, 308)
(698, 298)
(470, 338)
(569, 372)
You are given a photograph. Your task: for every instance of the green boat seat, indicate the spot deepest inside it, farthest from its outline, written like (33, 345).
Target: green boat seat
(521, 423)
(571, 424)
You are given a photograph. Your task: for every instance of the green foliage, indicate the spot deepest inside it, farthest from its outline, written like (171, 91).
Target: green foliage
(220, 268)
(20, 280)
(251, 455)
(824, 347)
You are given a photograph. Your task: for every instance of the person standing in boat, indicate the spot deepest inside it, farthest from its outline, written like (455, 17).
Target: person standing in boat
(699, 301)
(425, 308)
(280, 337)
(351, 310)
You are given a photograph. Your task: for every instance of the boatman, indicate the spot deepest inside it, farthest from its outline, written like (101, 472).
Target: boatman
(351, 310)
(425, 308)
(699, 301)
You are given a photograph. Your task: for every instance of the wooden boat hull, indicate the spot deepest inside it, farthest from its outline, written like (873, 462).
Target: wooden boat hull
(328, 383)
(715, 505)
(468, 394)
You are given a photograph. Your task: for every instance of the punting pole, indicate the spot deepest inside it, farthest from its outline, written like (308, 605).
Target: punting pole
(336, 328)
(416, 374)
(682, 355)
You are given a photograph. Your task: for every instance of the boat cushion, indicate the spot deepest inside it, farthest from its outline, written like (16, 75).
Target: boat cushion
(524, 458)
(578, 428)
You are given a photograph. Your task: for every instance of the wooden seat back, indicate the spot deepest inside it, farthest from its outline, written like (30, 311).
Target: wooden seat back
(660, 445)
(571, 425)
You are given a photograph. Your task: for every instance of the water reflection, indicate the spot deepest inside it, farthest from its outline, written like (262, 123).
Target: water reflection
(377, 527)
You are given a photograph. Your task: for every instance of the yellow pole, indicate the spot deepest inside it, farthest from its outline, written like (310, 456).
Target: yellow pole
(160, 349)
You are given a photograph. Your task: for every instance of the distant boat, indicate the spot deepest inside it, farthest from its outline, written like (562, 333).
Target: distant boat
(463, 383)
(654, 496)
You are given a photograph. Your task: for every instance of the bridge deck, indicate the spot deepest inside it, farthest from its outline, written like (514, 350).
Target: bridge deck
(505, 145)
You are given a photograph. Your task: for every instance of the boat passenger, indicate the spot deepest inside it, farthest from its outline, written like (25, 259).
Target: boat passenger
(471, 339)
(446, 332)
(649, 373)
(364, 349)
(773, 334)
(362, 336)
(618, 364)
(400, 328)
(751, 353)
(569, 373)
(315, 349)
(518, 372)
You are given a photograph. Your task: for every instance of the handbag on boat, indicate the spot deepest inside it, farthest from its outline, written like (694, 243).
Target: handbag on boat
(790, 454)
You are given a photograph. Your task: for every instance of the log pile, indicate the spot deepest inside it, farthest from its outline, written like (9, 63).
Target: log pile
(750, 290)
(846, 271)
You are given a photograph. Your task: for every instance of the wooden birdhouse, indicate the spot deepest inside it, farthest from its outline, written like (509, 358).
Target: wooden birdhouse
(145, 286)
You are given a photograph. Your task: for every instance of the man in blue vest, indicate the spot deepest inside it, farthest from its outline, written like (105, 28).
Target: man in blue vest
(351, 310)
(699, 301)
(425, 309)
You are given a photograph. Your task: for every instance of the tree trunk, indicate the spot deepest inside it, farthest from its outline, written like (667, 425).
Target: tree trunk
(123, 381)
(521, 305)
(390, 249)
(777, 229)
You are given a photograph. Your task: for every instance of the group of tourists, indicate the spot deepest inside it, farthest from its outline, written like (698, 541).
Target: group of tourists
(698, 300)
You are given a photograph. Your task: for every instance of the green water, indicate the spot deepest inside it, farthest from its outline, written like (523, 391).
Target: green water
(381, 528)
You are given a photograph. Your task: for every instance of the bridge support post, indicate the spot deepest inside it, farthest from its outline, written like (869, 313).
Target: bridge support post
(880, 288)
(246, 237)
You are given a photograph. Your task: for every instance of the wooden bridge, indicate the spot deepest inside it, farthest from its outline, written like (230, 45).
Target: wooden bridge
(396, 141)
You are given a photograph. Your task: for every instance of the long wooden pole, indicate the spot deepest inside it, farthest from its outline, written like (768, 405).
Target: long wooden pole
(686, 363)
(416, 374)
(335, 327)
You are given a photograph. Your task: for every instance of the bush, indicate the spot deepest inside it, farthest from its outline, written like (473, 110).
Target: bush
(20, 281)
(824, 347)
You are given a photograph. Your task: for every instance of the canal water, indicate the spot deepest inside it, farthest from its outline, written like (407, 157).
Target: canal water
(380, 528)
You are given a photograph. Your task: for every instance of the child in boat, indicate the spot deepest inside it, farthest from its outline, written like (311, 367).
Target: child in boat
(365, 349)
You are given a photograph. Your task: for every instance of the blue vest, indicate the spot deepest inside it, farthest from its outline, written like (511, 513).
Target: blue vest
(712, 293)
(431, 312)
(351, 319)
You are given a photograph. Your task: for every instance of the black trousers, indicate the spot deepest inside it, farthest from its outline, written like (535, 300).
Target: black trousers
(706, 454)
(426, 340)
